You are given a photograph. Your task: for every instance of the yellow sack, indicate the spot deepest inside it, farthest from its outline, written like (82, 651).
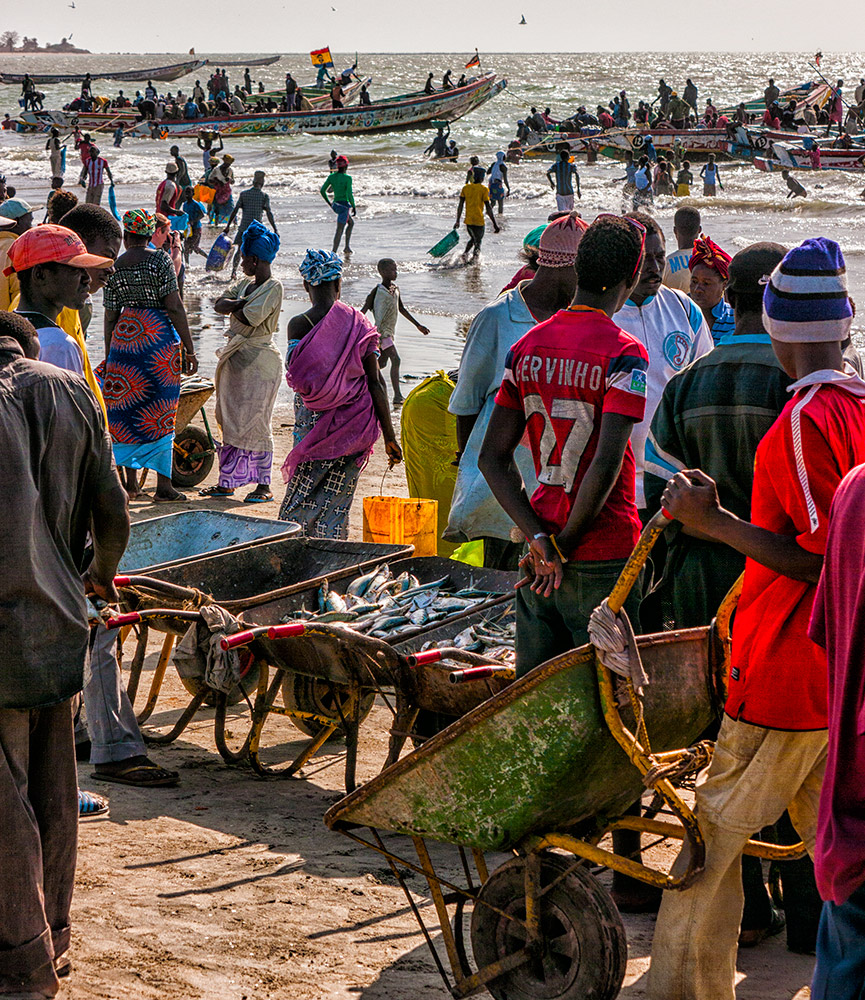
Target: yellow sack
(429, 445)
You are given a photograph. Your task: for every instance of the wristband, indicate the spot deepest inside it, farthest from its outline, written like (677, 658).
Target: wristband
(540, 534)
(555, 545)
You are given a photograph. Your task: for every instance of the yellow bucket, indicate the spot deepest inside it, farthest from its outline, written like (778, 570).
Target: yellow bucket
(400, 521)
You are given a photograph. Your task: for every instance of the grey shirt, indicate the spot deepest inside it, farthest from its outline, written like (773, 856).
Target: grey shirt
(56, 459)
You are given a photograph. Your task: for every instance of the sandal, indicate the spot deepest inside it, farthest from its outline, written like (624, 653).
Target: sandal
(216, 491)
(90, 806)
(178, 498)
(256, 497)
(140, 772)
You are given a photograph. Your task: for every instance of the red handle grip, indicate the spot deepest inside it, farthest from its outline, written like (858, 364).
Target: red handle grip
(238, 639)
(132, 618)
(667, 514)
(285, 631)
(471, 674)
(121, 581)
(427, 656)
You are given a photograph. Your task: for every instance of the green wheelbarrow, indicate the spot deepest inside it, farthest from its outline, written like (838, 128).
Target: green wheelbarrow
(544, 770)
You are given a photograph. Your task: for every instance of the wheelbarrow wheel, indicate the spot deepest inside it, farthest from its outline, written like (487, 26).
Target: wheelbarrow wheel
(193, 457)
(308, 694)
(584, 950)
(248, 683)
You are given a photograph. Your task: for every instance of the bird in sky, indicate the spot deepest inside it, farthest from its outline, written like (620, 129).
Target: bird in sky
(523, 21)
(72, 5)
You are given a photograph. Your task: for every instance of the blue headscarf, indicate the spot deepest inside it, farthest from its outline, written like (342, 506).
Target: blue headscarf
(259, 241)
(319, 266)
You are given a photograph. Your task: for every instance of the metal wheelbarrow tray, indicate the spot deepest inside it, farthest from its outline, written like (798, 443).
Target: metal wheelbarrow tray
(158, 543)
(551, 763)
(329, 675)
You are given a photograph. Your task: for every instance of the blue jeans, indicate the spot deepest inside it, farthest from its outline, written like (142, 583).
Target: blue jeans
(840, 970)
(110, 719)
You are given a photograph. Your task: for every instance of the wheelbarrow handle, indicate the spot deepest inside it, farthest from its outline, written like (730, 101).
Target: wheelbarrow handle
(636, 561)
(286, 631)
(135, 617)
(427, 656)
(243, 638)
(476, 674)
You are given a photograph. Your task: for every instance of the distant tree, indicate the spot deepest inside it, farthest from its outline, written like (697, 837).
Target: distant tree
(8, 40)
(29, 44)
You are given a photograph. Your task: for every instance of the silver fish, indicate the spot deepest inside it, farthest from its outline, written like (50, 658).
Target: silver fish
(335, 602)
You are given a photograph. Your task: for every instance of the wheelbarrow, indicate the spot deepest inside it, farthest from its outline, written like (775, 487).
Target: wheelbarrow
(329, 676)
(552, 763)
(194, 448)
(238, 578)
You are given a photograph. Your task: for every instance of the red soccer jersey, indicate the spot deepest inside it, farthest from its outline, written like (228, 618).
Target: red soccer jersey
(778, 675)
(564, 374)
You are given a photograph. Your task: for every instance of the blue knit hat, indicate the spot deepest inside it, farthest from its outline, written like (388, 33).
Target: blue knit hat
(806, 301)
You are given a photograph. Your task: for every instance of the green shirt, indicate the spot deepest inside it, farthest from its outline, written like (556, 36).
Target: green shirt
(340, 184)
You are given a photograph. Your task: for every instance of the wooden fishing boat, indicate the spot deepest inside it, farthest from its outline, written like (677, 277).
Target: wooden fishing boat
(784, 156)
(162, 73)
(265, 61)
(67, 120)
(384, 116)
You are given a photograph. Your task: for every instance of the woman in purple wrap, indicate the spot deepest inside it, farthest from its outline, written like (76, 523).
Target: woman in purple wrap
(340, 405)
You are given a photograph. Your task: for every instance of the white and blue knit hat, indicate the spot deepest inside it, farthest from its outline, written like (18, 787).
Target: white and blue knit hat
(806, 300)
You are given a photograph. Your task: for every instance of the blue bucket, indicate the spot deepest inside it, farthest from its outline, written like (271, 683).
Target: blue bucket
(179, 222)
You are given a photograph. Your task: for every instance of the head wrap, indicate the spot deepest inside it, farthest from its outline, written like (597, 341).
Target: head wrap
(533, 238)
(259, 241)
(560, 240)
(708, 253)
(319, 266)
(806, 300)
(139, 222)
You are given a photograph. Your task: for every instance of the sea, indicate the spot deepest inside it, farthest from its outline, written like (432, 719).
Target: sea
(405, 203)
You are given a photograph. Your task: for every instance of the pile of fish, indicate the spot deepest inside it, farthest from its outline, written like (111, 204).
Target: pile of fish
(493, 637)
(386, 607)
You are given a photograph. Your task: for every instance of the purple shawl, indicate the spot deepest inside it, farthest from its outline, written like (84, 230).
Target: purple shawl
(326, 371)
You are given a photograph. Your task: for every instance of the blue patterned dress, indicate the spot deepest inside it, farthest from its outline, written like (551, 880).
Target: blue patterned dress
(141, 377)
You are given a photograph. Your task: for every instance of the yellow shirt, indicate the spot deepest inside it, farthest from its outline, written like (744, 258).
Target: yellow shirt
(70, 322)
(8, 285)
(476, 196)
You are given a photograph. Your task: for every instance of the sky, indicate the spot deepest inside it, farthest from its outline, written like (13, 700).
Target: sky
(434, 26)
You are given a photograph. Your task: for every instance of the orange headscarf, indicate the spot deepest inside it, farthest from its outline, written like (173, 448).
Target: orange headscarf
(707, 252)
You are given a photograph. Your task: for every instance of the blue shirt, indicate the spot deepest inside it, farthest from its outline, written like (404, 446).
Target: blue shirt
(724, 322)
(563, 170)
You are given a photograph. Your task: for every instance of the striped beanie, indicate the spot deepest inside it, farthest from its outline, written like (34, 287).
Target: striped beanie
(806, 301)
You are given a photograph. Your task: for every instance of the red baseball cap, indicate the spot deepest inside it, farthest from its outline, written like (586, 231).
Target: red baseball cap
(51, 245)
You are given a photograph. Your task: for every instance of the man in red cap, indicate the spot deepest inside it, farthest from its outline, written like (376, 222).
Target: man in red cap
(59, 484)
(51, 264)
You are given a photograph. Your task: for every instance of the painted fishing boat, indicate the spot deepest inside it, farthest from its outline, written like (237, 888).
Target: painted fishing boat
(385, 116)
(784, 156)
(265, 61)
(684, 142)
(67, 120)
(162, 73)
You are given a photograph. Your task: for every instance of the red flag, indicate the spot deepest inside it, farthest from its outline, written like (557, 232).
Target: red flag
(474, 61)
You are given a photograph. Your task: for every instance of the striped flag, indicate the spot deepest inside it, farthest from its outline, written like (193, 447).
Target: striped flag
(474, 61)
(321, 57)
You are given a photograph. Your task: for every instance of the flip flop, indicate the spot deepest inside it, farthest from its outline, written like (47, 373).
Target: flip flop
(141, 776)
(90, 806)
(258, 498)
(183, 498)
(215, 491)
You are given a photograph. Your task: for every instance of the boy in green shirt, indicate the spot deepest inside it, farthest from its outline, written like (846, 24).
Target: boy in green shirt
(343, 202)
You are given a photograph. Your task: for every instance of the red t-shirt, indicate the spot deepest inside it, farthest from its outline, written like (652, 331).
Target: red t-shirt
(778, 675)
(838, 625)
(564, 374)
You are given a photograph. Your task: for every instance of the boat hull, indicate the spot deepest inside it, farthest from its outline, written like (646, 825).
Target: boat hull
(785, 157)
(162, 73)
(382, 117)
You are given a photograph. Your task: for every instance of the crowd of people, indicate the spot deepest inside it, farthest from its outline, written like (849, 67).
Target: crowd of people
(611, 378)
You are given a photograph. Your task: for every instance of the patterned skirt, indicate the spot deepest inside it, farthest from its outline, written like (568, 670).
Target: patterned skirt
(319, 496)
(141, 387)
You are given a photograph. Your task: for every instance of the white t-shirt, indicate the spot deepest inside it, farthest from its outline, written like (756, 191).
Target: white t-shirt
(672, 329)
(56, 347)
(677, 274)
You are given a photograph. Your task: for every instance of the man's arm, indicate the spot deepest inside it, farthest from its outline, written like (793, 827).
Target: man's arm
(550, 173)
(270, 218)
(465, 426)
(324, 189)
(109, 529)
(108, 171)
(423, 329)
(577, 179)
(459, 211)
(692, 498)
